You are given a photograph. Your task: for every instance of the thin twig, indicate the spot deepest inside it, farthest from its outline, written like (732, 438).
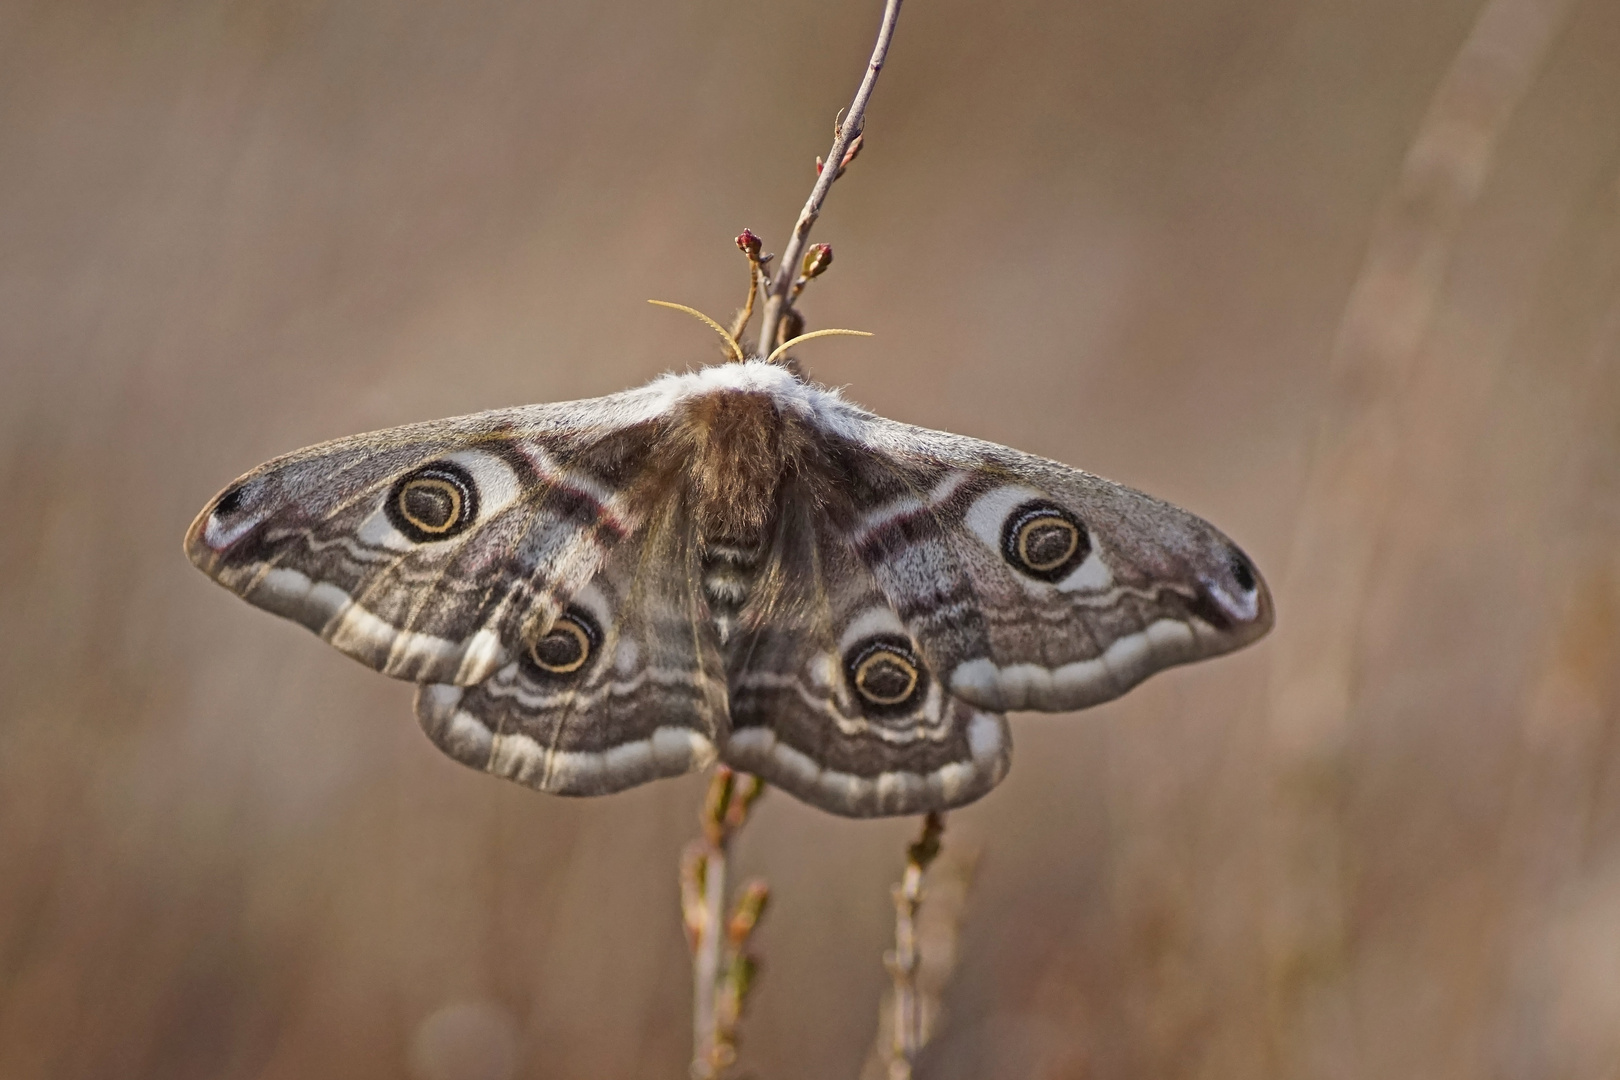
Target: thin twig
(777, 298)
(908, 1034)
(706, 962)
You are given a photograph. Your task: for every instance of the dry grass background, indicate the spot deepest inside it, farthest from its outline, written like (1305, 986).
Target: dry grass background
(1124, 235)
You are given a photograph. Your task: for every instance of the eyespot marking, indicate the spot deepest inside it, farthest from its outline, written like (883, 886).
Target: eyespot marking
(1044, 541)
(435, 502)
(566, 649)
(885, 678)
(886, 675)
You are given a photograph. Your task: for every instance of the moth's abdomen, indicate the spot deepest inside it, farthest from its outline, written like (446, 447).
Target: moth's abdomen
(730, 569)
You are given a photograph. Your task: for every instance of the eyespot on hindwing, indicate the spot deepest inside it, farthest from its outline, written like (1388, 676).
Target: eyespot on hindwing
(886, 675)
(565, 650)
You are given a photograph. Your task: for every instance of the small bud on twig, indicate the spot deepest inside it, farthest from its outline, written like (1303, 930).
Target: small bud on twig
(715, 804)
(816, 260)
(746, 790)
(750, 907)
(849, 156)
(750, 244)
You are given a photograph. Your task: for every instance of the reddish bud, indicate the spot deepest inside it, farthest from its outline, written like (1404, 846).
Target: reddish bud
(749, 243)
(853, 152)
(849, 155)
(817, 259)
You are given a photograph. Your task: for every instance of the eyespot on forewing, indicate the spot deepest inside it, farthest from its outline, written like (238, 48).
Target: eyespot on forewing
(1044, 541)
(435, 502)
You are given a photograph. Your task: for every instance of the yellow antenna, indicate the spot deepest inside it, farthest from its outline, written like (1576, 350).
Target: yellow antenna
(790, 342)
(731, 342)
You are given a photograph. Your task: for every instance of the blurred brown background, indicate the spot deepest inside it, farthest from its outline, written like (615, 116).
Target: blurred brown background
(1343, 277)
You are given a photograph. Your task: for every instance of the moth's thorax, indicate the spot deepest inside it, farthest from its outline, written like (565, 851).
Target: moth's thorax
(734, 446)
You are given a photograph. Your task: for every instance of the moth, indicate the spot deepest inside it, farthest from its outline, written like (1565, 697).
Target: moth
(731, 563)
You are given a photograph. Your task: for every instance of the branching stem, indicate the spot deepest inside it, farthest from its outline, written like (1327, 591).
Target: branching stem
(778, 298)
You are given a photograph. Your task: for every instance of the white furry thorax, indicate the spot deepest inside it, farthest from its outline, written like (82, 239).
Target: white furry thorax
(823, 407)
